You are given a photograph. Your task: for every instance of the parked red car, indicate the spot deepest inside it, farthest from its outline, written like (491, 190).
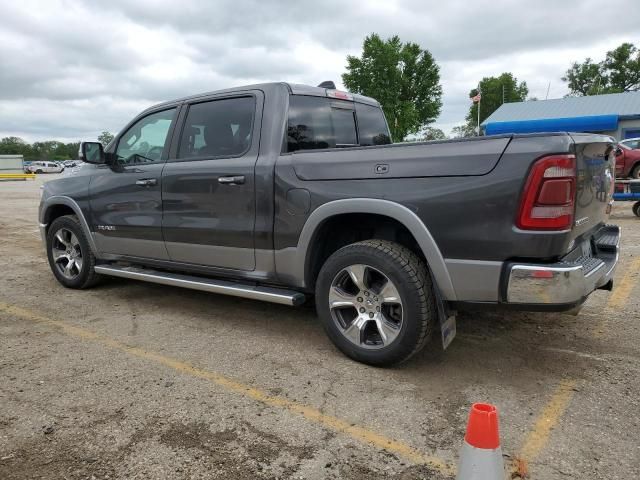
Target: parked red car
(627, 162)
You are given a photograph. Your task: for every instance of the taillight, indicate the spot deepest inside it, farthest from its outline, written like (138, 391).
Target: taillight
(548, 200)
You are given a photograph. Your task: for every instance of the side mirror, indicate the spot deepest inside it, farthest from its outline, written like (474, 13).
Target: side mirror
(92, 152)
(618, 152)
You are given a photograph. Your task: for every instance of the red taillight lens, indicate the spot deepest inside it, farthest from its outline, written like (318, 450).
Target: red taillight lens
(548, 200)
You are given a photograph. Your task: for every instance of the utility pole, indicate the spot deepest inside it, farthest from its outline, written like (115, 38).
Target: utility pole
(503, 93)
(479, 102)
(547, 95)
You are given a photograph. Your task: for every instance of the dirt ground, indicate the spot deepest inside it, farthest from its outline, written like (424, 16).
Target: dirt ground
(133, 380)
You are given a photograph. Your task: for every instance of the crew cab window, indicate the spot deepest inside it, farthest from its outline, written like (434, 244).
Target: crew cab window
(318, 122)
(372, 127)
(145, 140)
(220, 128)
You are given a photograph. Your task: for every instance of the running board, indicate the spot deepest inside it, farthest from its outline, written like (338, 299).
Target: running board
(224, 287)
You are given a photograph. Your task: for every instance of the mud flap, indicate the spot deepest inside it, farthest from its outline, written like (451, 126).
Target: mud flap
(447, 320)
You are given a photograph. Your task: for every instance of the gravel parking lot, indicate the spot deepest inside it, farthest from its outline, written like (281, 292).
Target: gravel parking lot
(133, 380)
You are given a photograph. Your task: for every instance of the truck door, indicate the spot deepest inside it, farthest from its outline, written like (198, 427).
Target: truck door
(126, 196)
(208, 187)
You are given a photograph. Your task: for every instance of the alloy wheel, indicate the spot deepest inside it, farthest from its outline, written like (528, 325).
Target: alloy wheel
(67, 253)
(366, 306)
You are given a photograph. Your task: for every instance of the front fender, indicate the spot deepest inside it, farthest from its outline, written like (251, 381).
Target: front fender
(46, 207)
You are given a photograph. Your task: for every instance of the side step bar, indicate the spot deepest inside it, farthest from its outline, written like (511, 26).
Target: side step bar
(255, 292)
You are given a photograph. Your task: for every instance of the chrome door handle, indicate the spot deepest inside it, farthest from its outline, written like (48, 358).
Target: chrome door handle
(147, 182)
(231, 180)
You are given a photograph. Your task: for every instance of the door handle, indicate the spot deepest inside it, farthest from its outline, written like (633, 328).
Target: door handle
(147, 182)
(231, 180)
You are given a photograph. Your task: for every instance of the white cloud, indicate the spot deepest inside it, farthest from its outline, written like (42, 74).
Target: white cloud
(72, 68)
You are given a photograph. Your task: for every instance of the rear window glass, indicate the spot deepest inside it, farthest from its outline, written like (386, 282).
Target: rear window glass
(317, 122)
(372, 127)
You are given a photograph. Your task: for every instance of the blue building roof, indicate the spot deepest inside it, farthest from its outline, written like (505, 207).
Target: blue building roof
(622, 104)
(596, 113)
(590, 123)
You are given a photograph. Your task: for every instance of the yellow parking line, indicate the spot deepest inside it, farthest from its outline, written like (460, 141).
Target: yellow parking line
(619, 297)
(623, 289)
(312, 414)
(546, 421)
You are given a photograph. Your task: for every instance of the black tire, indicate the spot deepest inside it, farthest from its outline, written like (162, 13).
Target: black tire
(635, 173)
(410, 277)
(39, 171)
(86, 276)
(636, 209)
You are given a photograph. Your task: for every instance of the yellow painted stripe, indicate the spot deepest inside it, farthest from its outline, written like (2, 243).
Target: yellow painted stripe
(17, 175)
(618, 298)
(547, 420)
(362, 434)
(624, 286)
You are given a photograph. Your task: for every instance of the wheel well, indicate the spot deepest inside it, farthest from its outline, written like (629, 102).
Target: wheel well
(341, 230)
(56, 211)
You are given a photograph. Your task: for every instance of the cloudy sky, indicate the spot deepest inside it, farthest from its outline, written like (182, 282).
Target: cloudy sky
(70, 69)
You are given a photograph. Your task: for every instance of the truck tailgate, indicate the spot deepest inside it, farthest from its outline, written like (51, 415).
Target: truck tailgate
(595, 162)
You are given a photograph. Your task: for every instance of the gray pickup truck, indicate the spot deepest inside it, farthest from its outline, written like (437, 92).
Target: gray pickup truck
(280, 192)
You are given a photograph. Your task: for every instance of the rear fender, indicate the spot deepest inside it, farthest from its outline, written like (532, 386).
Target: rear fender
(292, 262)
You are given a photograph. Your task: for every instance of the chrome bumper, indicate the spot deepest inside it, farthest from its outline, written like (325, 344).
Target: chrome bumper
(568, 281)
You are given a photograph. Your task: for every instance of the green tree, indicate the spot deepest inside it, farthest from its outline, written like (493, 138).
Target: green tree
(622, 66)
(618, 72)
(585, 78)
(13, 145)
(494, 92)
(432, 133)
(404, 78)
(105, 138)
(46, 150)
(463, 131)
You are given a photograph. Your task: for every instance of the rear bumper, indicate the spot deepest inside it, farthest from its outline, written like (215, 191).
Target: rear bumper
(567, 282)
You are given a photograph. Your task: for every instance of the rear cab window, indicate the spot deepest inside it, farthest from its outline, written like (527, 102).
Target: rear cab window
(321, 123)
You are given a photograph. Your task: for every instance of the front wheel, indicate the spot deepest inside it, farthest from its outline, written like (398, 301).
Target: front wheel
(636, 209)
(376, 302)
(69, 254)
(635, 173)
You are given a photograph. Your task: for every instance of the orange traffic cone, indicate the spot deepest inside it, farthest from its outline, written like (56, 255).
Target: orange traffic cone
(481, 456)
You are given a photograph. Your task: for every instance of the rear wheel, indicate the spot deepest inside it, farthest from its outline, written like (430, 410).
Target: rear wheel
(635, 173)
(636, 209)
(376, 302)
(69, 254)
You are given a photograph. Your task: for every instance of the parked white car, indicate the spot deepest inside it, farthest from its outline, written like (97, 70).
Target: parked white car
(71, 163)
(632, 143)
(45, 167)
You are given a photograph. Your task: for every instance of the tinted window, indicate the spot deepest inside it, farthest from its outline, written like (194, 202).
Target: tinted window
(317, 122)
(372, 128)
(221, 128)
(145, 140)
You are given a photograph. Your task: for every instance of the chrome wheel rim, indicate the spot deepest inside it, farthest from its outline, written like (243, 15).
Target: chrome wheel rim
(366, 306)
(66, 253)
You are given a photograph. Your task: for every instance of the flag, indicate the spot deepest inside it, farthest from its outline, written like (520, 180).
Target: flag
(477, 98)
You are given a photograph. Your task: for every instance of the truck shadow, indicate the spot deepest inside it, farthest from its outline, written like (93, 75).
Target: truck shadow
(503, 344)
